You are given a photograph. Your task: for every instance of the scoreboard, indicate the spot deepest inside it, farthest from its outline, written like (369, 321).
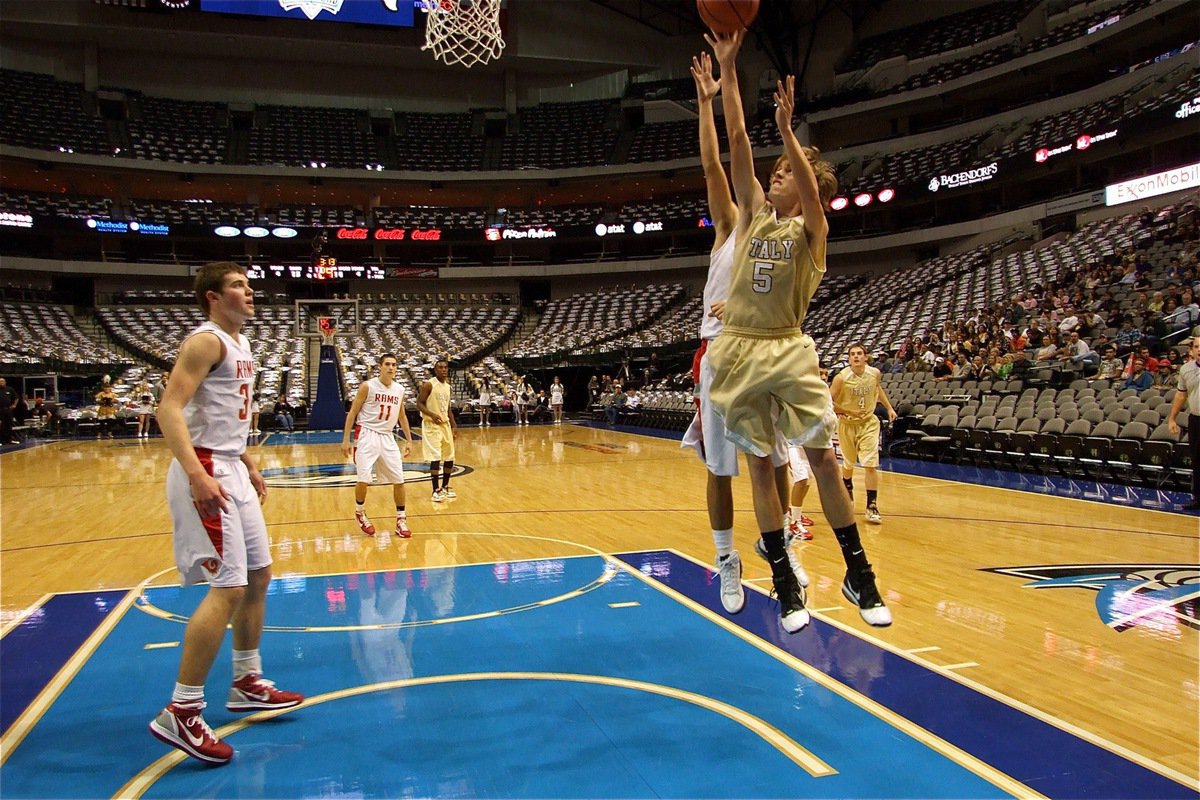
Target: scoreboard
(324, 268)
(363, 12)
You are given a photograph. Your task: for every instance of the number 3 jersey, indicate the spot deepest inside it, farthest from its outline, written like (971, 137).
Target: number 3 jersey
(218, 415)
(774, 276)
(382, 409)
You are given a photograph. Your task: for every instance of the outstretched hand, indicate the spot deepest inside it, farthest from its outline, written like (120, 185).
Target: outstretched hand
(785, 102)
(725, 46)
(706, 85)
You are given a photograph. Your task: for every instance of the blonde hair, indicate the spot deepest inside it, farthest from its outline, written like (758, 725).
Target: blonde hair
(826, 176)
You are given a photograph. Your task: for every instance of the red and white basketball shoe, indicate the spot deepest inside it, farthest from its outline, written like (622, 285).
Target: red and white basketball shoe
(364, 524)
(402, 529)
(254, 692)
(182, 725)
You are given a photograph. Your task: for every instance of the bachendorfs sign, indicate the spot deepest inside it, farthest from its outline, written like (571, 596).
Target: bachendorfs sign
(968, 177)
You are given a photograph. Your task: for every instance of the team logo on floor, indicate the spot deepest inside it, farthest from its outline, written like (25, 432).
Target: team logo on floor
(599, 447)
(322, 476)
(1128, 595)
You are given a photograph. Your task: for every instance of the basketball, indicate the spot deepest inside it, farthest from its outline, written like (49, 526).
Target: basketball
(727, 16)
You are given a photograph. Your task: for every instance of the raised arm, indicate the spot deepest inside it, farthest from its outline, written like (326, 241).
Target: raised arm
(748, 192)
(811, 206)
(721, 208)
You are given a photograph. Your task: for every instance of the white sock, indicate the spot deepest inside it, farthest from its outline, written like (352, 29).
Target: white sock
(724, 542)
(797, 514)
(246, 662)
(361, 508)
(185, 694)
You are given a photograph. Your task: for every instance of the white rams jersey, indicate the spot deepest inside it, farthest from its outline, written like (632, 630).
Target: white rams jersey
(382, 409)
(218, 415)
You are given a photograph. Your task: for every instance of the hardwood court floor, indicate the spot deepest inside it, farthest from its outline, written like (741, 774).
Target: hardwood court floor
(86, 515)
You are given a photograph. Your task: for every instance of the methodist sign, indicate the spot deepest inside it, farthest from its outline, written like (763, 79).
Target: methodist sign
(1172, 180)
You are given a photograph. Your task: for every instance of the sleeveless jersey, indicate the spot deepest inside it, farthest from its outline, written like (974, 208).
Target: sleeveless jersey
(859, 392)
(716, 286)
(218, 415)
(556, 394)
(382, 409)
(439, 399)
(774, 276)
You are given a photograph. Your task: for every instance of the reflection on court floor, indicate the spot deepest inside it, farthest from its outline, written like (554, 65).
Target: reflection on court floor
(590, 676)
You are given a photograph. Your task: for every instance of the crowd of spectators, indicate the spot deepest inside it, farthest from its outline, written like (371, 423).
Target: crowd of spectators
(1075, 325)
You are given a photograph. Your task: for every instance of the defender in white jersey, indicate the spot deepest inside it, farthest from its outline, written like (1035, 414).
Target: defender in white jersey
(377, 407)
(706, 433)
(215, 494)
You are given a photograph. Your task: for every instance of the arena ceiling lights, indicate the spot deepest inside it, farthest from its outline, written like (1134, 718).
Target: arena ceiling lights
(255, 232)
(863, 199)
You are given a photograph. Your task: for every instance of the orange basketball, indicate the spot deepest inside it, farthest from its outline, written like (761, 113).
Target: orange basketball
(727, 16)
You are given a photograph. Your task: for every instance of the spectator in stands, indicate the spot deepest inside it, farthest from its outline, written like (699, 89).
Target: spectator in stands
(283, 414)
(1165, 375)
(1140, 379)
(1128, 337)
(616, 402)
(8, 403)
(541, 407)
(1111, 367)
(1047, 350)
(1076, 355)
(943, 369)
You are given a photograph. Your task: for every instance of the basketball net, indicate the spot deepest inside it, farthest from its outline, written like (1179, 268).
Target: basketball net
(329, 337)
(463, 32)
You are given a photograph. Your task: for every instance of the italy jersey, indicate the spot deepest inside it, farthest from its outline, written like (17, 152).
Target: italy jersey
(774, 275)
(859, 393)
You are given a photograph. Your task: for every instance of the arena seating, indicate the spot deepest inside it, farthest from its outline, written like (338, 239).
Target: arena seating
(52, 115)
(56, 205)
(42, 335)
(429, 217)
(418, 335)
(290, 136)
(940, 35)
(581, 321)
(175, 212)
(437, 142)
(178, 130)
(558, 135)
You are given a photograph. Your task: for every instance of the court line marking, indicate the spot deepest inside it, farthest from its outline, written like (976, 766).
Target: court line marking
(608, 572)
(160, 645)
(951, 752)
(1044, 716)
(961, 665)
(929, 649)
(631, 604)
(49, 694)
(810, 763)
(24, 614)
